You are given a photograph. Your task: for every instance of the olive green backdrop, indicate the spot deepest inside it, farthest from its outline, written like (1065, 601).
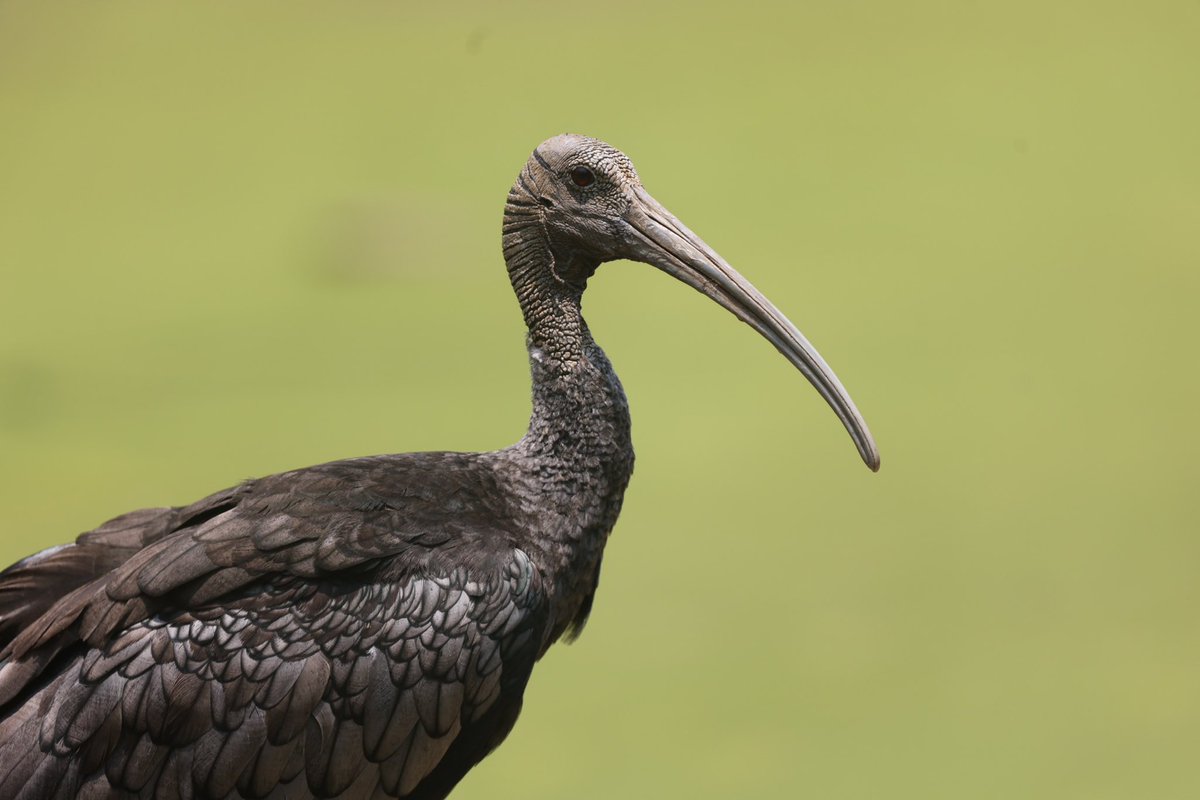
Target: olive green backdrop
(240, 237)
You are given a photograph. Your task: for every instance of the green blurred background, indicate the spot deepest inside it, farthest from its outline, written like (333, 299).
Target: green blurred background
(237, 238)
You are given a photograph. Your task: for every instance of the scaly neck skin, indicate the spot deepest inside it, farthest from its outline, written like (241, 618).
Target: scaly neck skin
(575, 461)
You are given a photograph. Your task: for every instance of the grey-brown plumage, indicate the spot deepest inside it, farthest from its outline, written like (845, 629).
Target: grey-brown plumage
(364, 628)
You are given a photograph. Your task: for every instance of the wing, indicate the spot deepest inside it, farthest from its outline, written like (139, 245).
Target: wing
(316, 636)
(30, 587)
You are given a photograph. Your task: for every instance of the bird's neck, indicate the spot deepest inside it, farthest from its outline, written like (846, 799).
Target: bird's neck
(574, 464)
(579, 407)
(580, 416)
(577, 456)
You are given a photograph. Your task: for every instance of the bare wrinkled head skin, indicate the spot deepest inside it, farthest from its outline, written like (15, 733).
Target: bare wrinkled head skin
(585, 187)
(591, 208)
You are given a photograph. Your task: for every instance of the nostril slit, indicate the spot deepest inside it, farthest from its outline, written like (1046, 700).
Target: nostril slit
(545, 201)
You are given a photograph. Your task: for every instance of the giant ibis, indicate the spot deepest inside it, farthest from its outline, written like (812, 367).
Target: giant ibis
(363, 628)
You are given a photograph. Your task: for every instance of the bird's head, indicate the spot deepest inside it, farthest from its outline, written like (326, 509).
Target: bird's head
(585, 202)
(585, 190)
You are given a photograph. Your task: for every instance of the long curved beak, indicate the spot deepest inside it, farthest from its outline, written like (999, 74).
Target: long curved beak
(661, 240)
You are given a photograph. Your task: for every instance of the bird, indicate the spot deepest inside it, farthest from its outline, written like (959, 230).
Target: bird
(364, 628)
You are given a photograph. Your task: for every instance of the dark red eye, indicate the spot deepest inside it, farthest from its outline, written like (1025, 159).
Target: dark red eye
(582, 176)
